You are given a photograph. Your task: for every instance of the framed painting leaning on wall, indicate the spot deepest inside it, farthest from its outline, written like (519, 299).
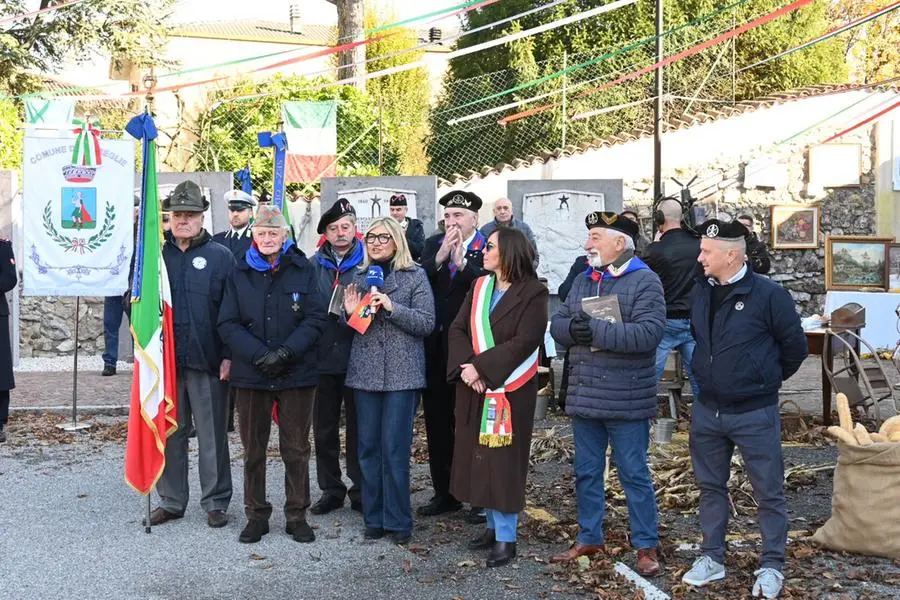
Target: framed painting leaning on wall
(856, 262)
(795, 227)
(892, 267)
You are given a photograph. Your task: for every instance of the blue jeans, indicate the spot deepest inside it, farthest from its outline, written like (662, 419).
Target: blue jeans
(385, 429)
(629, 440)
(503, 524)
(677, 336)
(113, 309)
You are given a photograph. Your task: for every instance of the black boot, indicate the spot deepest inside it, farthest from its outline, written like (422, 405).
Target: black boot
(254, 531)
(484, 541)
(501, 554)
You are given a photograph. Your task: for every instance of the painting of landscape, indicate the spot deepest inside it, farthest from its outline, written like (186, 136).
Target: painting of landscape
(853, 263)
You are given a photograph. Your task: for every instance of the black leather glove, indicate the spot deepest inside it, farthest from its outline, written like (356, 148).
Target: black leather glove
(580, 330)
(275, 363)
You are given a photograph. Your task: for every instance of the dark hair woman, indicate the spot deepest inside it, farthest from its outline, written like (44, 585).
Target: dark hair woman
(493, 359)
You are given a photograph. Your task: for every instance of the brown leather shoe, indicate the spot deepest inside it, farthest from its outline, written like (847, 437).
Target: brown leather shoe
(160, 516)
(577, 549)
(647, 565)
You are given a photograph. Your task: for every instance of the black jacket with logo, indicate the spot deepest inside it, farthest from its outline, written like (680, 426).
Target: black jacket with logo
(197, 279)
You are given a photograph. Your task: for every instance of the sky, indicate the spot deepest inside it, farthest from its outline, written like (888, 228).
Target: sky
(312, 11)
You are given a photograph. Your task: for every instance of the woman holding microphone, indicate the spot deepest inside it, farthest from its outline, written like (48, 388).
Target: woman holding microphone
(386, 370)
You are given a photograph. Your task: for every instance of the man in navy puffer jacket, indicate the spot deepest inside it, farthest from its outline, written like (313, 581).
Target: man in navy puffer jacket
(612, 384)
(749, 340)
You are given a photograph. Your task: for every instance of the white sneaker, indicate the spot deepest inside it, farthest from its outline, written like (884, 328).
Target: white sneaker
(705, 570)
(768, 583)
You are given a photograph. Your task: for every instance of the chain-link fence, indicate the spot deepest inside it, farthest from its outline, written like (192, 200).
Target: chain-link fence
(464, 130)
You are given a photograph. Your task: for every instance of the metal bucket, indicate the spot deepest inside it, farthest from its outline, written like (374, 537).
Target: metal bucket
(663, 430)
(540, 407)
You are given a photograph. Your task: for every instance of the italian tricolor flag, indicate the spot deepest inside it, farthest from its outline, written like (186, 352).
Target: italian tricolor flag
(152, 416)
(311, 130)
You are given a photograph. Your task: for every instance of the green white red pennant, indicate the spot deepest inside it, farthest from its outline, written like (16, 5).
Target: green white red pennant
(496, 414)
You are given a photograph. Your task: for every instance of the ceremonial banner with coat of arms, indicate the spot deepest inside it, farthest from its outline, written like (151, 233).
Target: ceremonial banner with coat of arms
(78, 204)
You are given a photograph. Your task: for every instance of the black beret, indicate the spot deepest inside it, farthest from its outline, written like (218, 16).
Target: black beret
(461, 199)
(723, 230)
(611, 220)
(339, 209)
(398, 200)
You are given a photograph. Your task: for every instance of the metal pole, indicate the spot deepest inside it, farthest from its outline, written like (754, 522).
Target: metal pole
(564, 99)
(733, 57)
(147, 522)
(658, 107)
(75, 424)
(380, 136)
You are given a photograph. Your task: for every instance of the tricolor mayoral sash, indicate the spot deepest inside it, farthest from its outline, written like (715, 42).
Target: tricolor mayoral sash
(496, 416)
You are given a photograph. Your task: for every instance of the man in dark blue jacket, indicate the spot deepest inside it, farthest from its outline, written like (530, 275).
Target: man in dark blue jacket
(336, 265)
(272, 316)
(749, 340)
(413, 229)
(198, 269)
(612, 383)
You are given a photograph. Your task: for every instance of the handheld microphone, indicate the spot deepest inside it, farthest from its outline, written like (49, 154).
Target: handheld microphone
(375, 280)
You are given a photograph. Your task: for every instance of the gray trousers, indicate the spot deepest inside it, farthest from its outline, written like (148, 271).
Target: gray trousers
(757, 434)
(203, 399)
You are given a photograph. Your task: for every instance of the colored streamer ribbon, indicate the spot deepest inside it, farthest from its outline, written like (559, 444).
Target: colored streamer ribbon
(87, 143)
(496, 414)
(670, 59)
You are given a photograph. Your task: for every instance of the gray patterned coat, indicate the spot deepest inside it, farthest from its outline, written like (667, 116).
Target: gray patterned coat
(390, 357)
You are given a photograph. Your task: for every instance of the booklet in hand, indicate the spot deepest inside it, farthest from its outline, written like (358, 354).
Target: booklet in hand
(362, 315)
(336, 306)
(602, 307)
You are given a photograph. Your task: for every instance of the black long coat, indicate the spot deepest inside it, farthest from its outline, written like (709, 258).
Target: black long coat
(495, 477)
(8, 280)
(449, 295)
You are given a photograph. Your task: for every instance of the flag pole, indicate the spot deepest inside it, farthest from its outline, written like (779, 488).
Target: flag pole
(75, 425)
(147, 522)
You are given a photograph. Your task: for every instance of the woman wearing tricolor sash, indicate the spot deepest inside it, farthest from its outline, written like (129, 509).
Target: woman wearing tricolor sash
(493, 360)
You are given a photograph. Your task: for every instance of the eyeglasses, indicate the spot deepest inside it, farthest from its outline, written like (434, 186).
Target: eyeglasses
(381, 238)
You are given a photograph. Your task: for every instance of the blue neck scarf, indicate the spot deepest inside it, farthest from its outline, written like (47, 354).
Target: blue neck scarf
(351, 259)
(258, 263)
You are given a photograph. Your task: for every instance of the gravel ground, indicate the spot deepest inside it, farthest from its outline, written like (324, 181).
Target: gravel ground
(65, 363)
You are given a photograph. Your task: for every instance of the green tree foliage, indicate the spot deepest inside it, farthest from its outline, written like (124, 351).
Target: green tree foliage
(10, 135)
(226, 131)
(132, 30)
(402, 98)
(455, 148)
(873, 49)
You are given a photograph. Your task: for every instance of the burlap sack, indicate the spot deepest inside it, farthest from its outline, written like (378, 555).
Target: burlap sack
(865, 504)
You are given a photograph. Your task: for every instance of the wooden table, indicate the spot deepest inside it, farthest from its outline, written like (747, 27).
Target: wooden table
(815, 341)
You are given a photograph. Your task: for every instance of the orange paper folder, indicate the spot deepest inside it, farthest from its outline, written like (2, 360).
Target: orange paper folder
(362, 315)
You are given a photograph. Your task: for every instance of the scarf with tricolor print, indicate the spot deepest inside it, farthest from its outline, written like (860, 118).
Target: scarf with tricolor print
(496, 415)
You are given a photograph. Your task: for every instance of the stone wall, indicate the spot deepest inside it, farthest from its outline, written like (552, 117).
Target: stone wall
(47, 326)
(844, 211)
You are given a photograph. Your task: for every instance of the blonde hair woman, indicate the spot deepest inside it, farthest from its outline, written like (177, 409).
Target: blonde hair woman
(386, 369)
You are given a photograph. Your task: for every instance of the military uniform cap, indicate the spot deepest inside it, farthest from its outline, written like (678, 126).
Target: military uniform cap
(338, 210)
(269, 216)
(398, 200)
(186, 197)
(461, 199)
(610, 220)
(239, 200)
(724, 230)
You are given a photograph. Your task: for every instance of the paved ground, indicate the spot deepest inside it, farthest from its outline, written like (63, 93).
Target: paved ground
(54, 389)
